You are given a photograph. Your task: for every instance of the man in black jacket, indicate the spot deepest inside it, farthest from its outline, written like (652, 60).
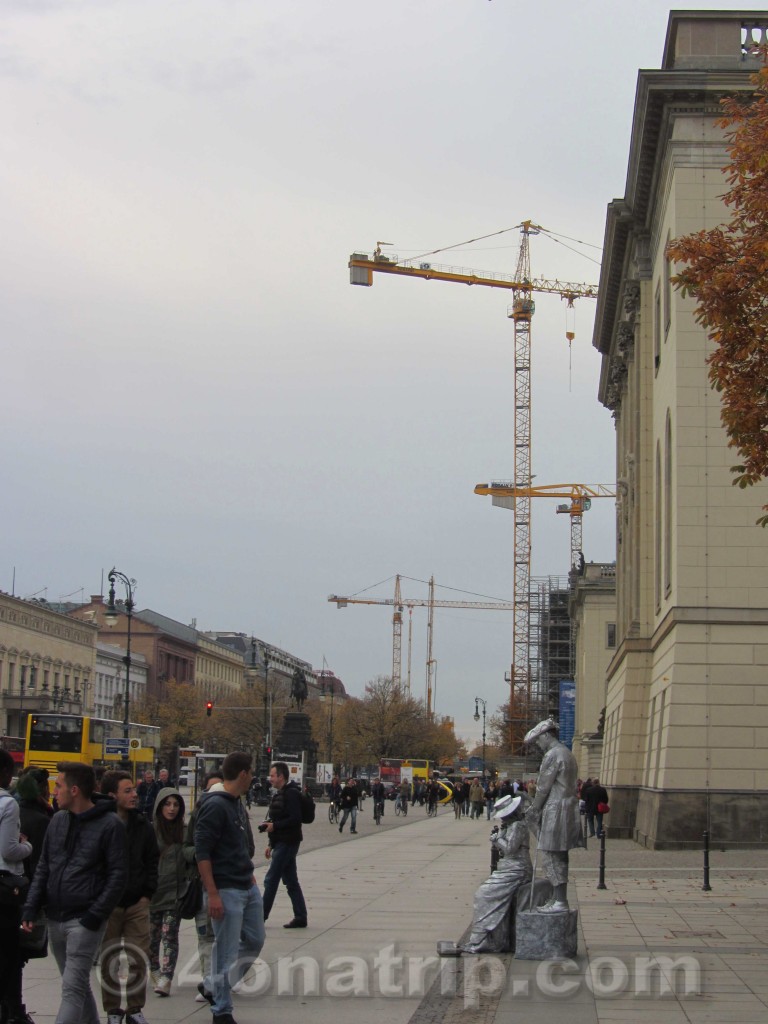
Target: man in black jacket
(128, 924)
(79, 879)
(285, 836)
(592, 796)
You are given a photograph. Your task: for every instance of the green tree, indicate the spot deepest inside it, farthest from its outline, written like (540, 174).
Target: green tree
(726, 270)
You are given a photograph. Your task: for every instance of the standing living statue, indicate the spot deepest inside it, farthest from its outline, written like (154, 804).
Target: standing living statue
(490, 920)
(553, 816)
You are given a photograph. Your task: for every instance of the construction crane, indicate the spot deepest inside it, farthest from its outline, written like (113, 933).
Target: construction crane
(398, 603)
(521, 310)
(504, 493)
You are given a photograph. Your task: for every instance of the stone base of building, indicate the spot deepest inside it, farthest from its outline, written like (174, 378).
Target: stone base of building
(676, 819)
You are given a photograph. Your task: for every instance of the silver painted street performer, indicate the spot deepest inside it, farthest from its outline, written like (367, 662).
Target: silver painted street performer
(490, 921)
(553, 816)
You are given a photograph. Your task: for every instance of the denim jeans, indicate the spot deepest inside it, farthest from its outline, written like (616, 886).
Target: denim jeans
(239, 936)
(348, 811)
(75, 949)
(591, 820)
(282, 866)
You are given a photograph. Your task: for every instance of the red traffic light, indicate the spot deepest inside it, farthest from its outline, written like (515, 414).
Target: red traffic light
(208, 707)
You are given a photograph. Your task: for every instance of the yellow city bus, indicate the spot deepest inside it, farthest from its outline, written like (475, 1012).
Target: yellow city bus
(98, 741)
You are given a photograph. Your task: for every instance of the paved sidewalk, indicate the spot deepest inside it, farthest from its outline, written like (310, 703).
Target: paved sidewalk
(389, 894)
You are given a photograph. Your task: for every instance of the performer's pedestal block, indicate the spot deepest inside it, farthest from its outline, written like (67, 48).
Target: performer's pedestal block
(546, 936)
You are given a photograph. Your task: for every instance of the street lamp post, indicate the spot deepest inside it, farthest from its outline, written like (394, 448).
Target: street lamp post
(326, 688)
(267, 709)
(110, 617)
(479, 700)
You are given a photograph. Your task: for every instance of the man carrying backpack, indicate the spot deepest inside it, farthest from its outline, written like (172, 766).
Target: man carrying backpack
(283, 829)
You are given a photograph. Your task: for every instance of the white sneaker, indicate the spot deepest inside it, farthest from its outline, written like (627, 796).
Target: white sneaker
(558, 907)
(114, 1018)
(136, 1018)
(163, 986)
(199, 998)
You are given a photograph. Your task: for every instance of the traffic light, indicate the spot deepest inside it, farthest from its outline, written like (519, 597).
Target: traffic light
(208, 707)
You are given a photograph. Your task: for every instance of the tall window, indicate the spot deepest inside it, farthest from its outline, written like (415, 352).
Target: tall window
(657, 329)
(668, 507)
(610, 634)
(658, 525)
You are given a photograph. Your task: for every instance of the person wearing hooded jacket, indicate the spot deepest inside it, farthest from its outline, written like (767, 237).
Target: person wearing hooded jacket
(172, 878)
(79, 878)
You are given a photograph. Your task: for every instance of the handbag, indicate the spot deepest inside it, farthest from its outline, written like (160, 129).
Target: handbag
(603, 808)
(190, 903)
(13, 889)
(34, 944)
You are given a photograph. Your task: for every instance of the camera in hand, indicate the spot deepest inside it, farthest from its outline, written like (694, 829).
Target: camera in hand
(263, 826)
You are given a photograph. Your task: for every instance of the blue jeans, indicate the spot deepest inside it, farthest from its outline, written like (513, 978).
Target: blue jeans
(75, 949)
(238, 939)
(353, 812)
(282, 866)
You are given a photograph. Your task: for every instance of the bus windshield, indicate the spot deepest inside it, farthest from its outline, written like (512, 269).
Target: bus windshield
(62, 733)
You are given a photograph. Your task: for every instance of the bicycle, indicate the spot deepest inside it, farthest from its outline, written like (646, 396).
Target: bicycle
(333, 812)
(378, 811)
(401, 806)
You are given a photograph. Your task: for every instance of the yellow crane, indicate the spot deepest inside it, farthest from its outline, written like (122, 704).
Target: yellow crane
(398, 602)
(361, 270)
(504, 494)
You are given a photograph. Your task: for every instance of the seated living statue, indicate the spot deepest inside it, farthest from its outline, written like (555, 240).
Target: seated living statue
(490, 924)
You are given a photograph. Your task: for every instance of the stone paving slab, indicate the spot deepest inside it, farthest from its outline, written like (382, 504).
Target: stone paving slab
(410, 885)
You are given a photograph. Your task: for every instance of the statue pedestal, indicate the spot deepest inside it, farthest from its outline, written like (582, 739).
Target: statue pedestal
(546, 936)
(295, 737)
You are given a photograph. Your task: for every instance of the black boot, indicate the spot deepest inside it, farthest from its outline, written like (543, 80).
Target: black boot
(17, 1014)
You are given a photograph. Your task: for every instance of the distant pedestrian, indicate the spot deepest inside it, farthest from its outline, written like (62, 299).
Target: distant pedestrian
(147, 791)
(476, 799)
(79, 879)
(224, 850)
(14, 850)
(284, 835)
(595, 796)
(349, 803)
(490, 798)
(457, 799)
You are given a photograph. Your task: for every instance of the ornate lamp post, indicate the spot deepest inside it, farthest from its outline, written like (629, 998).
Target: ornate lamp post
(479, 700)
(110, 617)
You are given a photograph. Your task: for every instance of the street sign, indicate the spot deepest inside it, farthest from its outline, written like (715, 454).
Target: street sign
(116, 746)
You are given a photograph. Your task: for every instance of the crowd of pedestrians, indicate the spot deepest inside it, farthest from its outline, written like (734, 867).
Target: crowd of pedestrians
(102, 873)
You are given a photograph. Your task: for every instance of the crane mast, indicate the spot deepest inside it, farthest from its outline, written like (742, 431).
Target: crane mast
(521, 312)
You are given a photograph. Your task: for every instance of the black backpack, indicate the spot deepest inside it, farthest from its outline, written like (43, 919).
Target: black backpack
(307, 808)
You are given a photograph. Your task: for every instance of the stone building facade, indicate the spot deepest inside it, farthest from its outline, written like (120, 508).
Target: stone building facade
(593, 617)
(47, 663)
(686, 732)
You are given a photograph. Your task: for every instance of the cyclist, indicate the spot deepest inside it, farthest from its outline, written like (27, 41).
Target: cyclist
(403, 795)
(377, 794)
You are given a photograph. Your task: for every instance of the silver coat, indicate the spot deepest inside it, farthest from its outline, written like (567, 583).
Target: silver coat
(490, 921)
(559, 825)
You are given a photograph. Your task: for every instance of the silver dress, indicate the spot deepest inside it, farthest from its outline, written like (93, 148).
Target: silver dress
(490, 921)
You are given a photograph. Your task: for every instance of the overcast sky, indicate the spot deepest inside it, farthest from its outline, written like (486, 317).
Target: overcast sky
(191, 389)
